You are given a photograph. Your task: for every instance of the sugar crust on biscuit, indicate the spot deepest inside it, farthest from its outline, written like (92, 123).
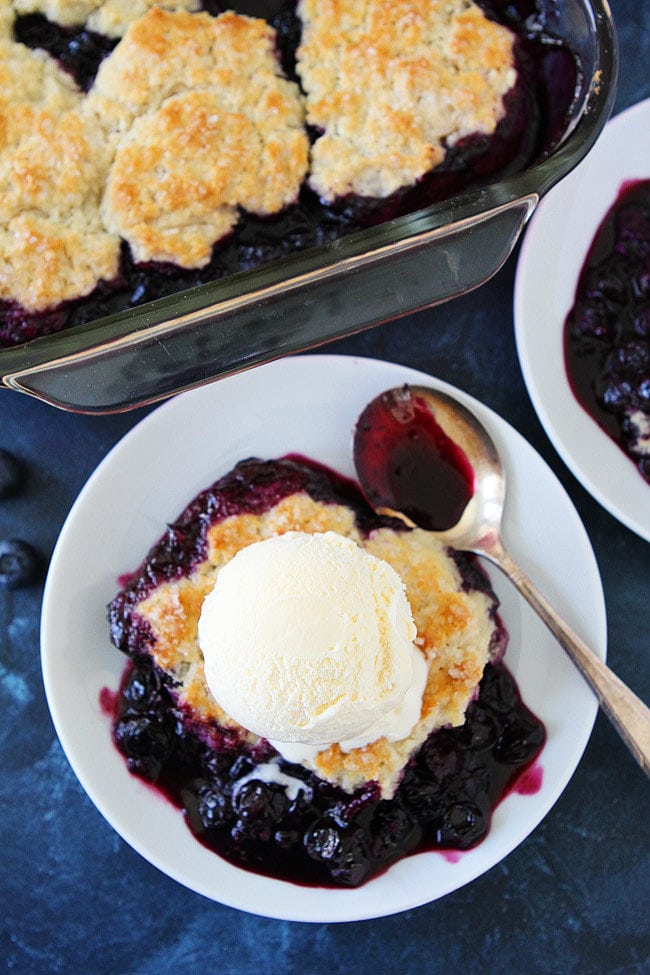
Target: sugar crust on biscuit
(53, 165)
(390, 84)
(204, 123)
(190, 119)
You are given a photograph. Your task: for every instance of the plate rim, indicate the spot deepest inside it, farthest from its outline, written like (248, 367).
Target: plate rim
(353, 900)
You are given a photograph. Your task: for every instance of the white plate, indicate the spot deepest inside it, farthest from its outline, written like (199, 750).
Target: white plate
(552, 255)
(307, 405)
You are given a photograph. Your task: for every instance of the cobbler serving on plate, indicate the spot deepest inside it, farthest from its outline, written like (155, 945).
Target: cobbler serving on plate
(149, 148)
(339, 814)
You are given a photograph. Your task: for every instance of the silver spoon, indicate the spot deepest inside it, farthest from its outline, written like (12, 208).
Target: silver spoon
(477, 528)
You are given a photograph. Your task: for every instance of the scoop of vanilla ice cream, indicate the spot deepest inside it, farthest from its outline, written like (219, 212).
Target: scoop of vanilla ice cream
(307, 638)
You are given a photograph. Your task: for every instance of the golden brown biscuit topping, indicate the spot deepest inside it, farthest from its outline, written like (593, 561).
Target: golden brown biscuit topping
(189, 119)
(53, 165)
(392, 83)
(205, 122)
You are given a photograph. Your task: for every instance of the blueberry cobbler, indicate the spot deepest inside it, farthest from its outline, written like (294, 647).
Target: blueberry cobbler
(607, 331)
(151, 147)
(339, 813)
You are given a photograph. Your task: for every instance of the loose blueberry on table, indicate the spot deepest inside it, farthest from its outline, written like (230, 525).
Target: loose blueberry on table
(18, 563)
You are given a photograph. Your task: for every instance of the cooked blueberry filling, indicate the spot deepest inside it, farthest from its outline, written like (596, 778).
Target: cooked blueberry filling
(308, 831)
(263, 813)
(607, 331)
(538, 108)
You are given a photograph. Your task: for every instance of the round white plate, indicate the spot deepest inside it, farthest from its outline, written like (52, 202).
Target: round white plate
(552, 255)
(307, 405)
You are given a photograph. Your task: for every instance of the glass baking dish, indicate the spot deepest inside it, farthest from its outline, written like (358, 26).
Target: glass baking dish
(174, 343)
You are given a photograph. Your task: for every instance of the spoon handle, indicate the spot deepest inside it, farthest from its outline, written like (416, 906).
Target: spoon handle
(629, 715)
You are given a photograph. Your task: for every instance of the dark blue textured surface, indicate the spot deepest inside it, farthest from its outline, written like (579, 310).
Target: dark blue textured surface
(573, 898)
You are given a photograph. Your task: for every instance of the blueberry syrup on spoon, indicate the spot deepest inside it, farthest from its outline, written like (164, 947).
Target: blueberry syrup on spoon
(407, 463)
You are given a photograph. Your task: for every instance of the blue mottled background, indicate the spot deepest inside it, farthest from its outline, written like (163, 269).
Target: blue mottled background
(573, 899)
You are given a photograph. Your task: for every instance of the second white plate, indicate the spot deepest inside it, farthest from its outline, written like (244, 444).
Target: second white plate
(306, 405)
(552, 255)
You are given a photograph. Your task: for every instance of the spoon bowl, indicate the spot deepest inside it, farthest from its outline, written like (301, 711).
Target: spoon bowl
(413, 446)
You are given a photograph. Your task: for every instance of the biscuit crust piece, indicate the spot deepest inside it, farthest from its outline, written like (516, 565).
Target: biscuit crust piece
(204, 123)
(391, 83)
(53, 165)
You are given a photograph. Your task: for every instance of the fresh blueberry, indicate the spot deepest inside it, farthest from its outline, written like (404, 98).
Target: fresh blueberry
(11, 474)
(18, 563)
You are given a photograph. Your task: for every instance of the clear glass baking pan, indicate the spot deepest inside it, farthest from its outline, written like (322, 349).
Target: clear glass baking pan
(150, 352)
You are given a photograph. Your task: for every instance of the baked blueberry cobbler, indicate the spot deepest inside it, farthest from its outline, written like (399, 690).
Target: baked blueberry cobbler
(148, 148)
(336, 814)
(607, 331)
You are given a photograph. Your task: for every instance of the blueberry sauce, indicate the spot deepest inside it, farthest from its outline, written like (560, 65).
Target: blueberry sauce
(313, 833)
(406, 461)
(607, 331)
(537, 111)
(322, 836)
(77, 50)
